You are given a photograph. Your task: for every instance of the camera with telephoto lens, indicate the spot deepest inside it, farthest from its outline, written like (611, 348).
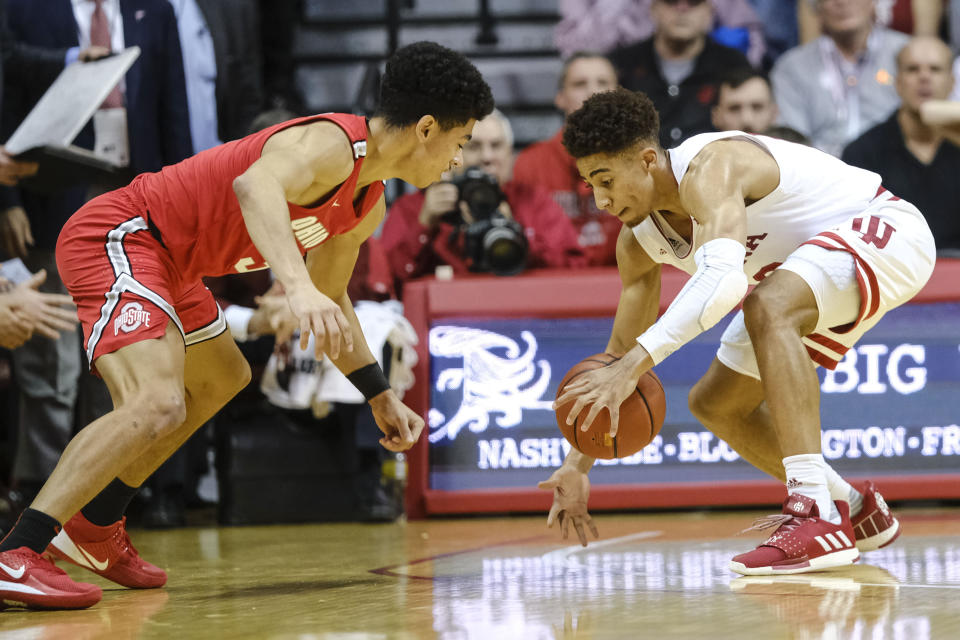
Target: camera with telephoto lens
(492, 242)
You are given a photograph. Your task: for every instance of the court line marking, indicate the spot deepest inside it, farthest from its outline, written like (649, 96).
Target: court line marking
(566, 555)
(389, 570)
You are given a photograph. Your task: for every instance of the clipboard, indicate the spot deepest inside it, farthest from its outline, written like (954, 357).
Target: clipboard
(46, 134)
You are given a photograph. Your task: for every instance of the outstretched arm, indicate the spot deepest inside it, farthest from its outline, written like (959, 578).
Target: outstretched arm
(606, 387)
(637, 309)
(295, 164)
(330, 266)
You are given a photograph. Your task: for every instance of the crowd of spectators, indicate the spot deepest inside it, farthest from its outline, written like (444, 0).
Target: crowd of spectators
(867, 80)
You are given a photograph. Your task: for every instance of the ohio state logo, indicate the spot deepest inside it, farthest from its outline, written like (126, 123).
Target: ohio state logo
(130, 318)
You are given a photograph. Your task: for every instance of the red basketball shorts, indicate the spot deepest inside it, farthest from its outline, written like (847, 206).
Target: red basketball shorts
(124, 282)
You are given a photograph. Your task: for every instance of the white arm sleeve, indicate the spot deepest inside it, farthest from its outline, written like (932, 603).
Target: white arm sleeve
(715, 289)
(238, 322)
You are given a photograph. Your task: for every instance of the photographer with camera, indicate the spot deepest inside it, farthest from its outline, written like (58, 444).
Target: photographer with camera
(479, 219)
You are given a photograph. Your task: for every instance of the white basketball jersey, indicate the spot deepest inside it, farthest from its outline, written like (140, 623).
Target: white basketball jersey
(816, 192)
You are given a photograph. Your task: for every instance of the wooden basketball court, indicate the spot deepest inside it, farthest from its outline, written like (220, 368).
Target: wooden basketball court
(650, 576)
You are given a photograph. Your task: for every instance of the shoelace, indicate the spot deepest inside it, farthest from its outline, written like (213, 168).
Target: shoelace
(123, 539)
(785, 520)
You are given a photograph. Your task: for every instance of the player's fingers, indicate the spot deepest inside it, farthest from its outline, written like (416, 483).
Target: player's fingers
(552, 516)
(575, 388)
(320, 338)
(404, 431)
(345, 330)
(614, 420)
(332, 330)
(593, 527)
(595, 409)
(578, 526)
(575, 410)
(565, 397)
(547, 485)
(416, 427)
(390, 446)
(305, 333)
(564, 525)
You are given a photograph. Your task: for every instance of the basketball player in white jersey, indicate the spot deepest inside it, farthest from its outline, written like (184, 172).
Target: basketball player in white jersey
(829, 250)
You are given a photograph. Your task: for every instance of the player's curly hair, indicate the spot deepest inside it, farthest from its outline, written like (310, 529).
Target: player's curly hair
(425, 78)
(609, 122)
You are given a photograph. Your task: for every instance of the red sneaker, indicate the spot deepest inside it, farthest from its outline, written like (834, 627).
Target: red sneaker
(107, 551)
(802, 542)
(29, 580)
(874, 526)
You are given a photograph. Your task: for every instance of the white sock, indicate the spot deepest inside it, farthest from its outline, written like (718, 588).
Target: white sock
(840, 489)
(807, 475)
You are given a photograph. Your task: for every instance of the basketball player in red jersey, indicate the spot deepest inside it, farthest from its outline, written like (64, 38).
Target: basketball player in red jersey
(133, 260)
(829, 250)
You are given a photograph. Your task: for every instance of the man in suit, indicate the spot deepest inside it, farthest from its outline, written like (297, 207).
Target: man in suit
(144, 125)
(23, 61)
(221, 62)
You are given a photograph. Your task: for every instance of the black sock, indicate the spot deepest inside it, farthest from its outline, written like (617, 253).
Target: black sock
(34, 529)
(108, 506)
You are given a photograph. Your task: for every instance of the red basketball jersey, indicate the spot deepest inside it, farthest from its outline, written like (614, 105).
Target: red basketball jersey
(193, 205)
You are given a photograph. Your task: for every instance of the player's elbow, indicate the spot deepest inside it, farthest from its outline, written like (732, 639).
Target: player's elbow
(243, 186)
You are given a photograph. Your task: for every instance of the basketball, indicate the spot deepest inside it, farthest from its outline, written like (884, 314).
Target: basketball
(641, 415)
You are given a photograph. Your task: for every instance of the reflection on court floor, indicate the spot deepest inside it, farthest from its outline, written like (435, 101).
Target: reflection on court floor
(650, 576)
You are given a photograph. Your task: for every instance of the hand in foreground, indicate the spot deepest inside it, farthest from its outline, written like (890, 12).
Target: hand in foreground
(12, 170)
(14, 328)
(93, 53)
(46, 313)
(604, 388)
(323, 317)
(400, 425)
(571, 489)
(15, 234)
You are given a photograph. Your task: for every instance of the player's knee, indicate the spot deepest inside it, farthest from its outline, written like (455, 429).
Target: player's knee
(703, 404)
(162, 413)
(241, 376)
(761, 311)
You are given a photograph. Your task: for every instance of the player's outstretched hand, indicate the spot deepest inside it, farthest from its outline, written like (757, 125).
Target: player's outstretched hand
(401, 426)
(323, 317)
(571, 489)
(603, 388)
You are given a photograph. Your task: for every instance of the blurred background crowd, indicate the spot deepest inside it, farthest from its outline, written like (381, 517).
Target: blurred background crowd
(867, 80)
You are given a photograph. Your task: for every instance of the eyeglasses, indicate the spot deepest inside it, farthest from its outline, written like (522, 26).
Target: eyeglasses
(691, 3)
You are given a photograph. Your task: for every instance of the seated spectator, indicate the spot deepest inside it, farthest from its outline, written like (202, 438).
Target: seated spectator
(548, 164)
(916, 161)
(744, 103)
(839, 85)
(678, 68)
(913, 17)
(780, 29)
(420, 234)
(602, 25)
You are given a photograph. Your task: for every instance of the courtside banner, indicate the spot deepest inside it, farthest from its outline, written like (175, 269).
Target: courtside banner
(891, 408)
